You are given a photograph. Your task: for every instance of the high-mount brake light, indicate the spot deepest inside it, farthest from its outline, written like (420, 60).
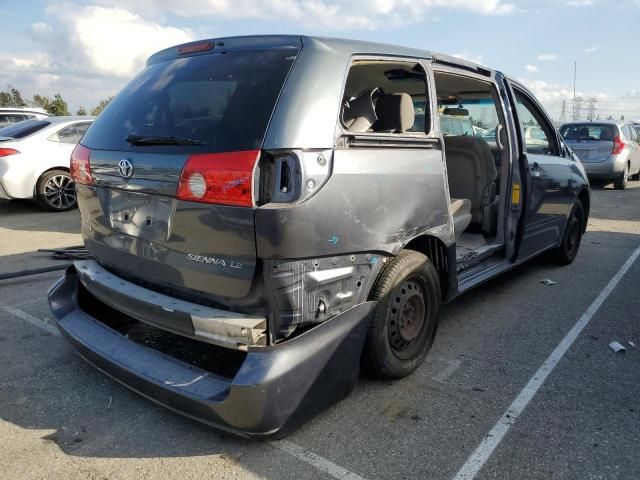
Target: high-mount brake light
(5, 152)
(223, 178)
(618, 145)
(196, 47)
(80, 167)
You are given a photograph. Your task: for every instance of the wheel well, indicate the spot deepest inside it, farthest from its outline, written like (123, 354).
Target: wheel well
(584, 197)
(35, 186)
(438, 253)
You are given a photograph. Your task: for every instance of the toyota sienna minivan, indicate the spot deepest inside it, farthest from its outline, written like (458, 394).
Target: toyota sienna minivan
(268, 214)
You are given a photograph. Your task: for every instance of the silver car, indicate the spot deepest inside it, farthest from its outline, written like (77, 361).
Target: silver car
(608, 150)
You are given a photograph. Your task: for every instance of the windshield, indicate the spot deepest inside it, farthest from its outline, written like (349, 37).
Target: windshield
(588, 131)
(23, 129)
(215, 103)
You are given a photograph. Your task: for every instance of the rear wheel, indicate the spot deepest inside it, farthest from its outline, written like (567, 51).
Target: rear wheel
(568, 249)
(55, 191)
(620, 183)
(404, 322)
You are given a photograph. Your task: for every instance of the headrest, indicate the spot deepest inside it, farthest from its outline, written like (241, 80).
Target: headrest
(359, 113)
(395, 112)
(606, 134)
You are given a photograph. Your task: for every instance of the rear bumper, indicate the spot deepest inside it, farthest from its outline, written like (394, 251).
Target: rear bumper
(607, 170)
(276, 388)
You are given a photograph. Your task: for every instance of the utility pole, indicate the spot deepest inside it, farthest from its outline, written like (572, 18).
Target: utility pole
(577, 108)
(563, 113)
(575, 72)
(591, 108)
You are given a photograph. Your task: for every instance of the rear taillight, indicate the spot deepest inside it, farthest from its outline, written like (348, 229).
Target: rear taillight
(80, 168)
(618, 145)
(5, 152)
(224, 178)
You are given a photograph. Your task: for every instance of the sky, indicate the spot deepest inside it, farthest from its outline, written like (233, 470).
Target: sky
(88, 50)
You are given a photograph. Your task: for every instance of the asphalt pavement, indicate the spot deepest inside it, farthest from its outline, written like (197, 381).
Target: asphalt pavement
(61, 418)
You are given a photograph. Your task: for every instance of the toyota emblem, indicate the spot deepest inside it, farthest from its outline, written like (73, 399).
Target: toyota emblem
(125, 167)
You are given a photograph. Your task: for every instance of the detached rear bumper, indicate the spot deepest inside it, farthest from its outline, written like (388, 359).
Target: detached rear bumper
(276, 388)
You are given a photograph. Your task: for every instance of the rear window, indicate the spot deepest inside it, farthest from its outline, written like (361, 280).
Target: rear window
(589, 131)
(23, 129)
(220, 101)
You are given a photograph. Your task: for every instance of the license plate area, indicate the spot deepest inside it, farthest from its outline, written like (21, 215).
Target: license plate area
(149, 217)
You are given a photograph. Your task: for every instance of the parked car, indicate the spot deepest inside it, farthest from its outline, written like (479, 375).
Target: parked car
(609, 150)
(34, 160)
(9, 115)
(255, 244)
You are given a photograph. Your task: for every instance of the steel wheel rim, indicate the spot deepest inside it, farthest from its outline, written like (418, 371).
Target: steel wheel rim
(407, 320)
(59, 192)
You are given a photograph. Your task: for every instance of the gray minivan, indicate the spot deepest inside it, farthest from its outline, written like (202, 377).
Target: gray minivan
(269, 213)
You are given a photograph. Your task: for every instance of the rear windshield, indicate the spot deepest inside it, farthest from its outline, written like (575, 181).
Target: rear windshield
(23, 129)
(220, 102)
(589, 131)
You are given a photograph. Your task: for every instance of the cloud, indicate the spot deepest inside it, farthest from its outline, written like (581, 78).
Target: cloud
(551, 95)
(590, 50)
(86, 53)
(465, 55)
(580, 3)
(106, 41)
(547, 57)
(329, 14)
(531, 68)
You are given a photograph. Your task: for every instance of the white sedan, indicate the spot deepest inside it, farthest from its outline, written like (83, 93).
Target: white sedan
(34, 160)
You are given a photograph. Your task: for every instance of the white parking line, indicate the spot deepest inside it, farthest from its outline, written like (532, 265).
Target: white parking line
(479, 457)
(16, 312)
(307, 456)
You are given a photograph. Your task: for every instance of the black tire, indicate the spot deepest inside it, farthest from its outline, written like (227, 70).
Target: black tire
(636, 176)
(405, 320)
(566, 252)
(55, 191)
(620, 183)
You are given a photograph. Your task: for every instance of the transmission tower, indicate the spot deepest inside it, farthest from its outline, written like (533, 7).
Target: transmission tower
(563, 113)
(577, 108)
(591, 108)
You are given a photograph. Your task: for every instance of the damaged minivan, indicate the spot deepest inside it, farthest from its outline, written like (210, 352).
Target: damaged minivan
(267, 215)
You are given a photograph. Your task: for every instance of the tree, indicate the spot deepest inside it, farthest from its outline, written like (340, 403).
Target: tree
(11, 98)
(17, 98)
(81, 111)
(42, 101)
(56, 106)
(98, 109)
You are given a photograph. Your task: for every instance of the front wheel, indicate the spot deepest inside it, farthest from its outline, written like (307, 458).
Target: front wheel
(55, 191)
(566, 252)
(404, 322)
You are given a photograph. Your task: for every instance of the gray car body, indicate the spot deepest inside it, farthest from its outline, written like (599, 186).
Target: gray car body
(289, 259)
(607, 166)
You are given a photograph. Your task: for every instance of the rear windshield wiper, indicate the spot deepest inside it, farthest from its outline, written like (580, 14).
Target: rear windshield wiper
(156, 140)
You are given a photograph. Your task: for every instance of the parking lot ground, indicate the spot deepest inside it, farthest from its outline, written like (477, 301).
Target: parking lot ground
(60, 418)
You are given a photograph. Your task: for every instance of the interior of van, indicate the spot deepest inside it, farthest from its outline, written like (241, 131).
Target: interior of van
(390, 97)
